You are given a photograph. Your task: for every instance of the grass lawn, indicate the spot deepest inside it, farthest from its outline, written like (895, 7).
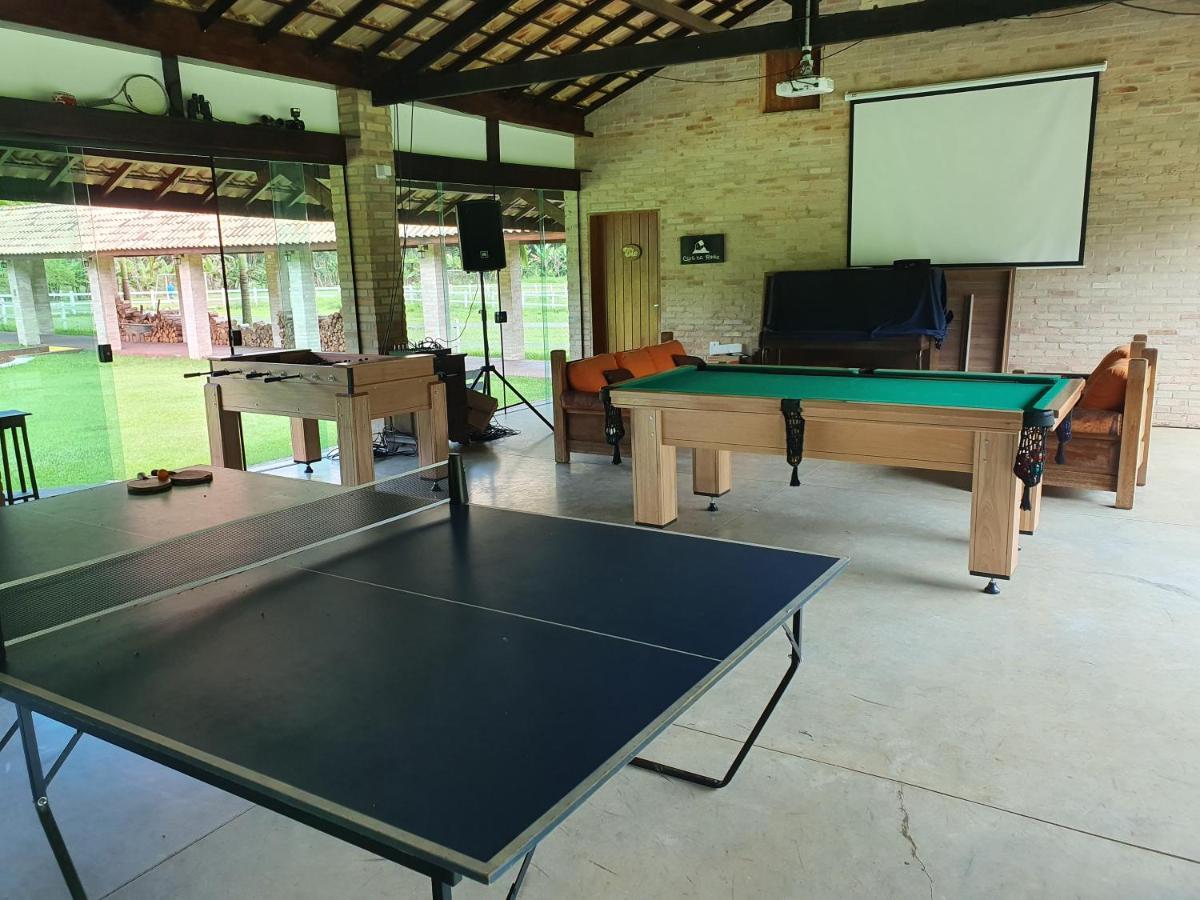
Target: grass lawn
(93, 423)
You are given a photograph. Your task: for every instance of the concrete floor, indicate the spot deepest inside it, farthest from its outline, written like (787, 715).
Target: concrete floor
(937, 742)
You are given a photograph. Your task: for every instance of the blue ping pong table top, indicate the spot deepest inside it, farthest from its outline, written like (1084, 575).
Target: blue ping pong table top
(447, 687)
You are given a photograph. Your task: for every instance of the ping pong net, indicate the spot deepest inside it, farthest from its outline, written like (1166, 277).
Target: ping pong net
(40, 603)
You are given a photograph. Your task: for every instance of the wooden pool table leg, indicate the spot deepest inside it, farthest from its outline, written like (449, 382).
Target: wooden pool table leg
(995, 507)
(654, 499)
(1030, 517)
(712, 474)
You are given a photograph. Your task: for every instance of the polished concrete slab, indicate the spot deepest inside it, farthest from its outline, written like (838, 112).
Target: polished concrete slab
(938, 742)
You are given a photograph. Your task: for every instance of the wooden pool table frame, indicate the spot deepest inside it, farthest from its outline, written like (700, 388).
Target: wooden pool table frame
(953, 439)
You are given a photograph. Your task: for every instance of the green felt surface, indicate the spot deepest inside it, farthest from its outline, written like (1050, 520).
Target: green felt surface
(946, 389)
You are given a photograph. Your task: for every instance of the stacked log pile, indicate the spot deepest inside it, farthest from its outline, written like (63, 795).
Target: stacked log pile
(164, 328)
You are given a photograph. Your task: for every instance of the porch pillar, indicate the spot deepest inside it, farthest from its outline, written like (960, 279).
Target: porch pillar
(510, 300)
(278, 289)
(193, 306)
(21, 285)
(102, 282)
(302, 297)
(364, 204)
(433, 294)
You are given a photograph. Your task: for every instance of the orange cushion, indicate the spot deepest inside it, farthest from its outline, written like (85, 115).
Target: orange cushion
(1105, 389)
(588, 374)
(639, 362)
(663, 355)
(1116, 354)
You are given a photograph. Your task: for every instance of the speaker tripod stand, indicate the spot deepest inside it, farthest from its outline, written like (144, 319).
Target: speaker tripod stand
(487, 370)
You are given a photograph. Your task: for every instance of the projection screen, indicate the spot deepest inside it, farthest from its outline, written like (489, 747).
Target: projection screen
(973, 173)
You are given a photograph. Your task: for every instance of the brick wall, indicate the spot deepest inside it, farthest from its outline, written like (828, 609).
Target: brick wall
(776, 184)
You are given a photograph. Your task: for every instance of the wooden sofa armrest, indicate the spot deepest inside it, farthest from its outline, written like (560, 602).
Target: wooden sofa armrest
(1133, 428)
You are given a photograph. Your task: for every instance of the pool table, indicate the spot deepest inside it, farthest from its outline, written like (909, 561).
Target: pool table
(993, 426)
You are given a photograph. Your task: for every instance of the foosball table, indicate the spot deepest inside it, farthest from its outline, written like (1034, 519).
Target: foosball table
(351, 389)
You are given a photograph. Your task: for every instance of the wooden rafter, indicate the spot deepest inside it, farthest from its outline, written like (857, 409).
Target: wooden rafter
(564, 27)
(610, 90)
(169, 184)
(665, 9)
(445, 40)
(909, 18)
(213, 13)
(173, 30)
(216, 189)
(393, 34)
(282, 19)
(116, 178)
(352, 17)
(62, 172)
(5, 154)
(265, 183)
(500, 35)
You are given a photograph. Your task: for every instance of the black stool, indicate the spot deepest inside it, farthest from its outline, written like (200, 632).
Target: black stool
(12, 422)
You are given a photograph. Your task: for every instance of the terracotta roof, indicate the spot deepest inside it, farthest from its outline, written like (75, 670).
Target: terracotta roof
(53, 229)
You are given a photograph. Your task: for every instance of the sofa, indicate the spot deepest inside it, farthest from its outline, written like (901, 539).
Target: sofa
(575, 387)
(1109, 447)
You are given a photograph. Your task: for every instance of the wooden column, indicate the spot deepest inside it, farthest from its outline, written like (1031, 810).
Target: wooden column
(995, 505)
(654, 497)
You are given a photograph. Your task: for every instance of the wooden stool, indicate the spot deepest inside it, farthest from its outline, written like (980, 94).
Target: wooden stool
(12, 421)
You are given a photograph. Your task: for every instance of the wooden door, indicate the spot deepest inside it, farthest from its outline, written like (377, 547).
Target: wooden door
(625, 288)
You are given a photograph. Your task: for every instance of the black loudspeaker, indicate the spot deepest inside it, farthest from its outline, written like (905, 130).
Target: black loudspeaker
(480, 235)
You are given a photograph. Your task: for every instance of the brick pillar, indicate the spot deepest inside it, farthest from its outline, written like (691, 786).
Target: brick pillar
(302, 297)
(433, 296)
(21, 284)
(278, 291)
(366, 202)
(510, 298)
(193, 306)
(41, 297)
(579, 324)
(102, 281)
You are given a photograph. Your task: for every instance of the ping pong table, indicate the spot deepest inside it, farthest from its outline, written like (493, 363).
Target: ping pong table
(437, 682)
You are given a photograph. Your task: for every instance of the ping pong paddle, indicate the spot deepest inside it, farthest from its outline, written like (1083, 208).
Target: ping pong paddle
(145, 485)
(192, 476)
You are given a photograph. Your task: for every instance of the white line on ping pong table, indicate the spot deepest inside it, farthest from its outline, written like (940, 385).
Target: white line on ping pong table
(503, 612)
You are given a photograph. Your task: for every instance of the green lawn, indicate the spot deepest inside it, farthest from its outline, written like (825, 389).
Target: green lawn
(93, 423)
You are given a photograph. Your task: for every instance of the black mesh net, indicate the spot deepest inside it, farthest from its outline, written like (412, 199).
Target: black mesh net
(36, 604)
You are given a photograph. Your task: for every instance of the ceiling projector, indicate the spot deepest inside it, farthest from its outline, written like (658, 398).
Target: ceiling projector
(804, 86)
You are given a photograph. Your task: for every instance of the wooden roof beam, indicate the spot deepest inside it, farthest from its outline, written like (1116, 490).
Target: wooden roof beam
(908, 18)
(466, 24)
(282, 19)
(502, 34)
(172, 30)
(667, 10)
(114, 180)
(353, 16)
(214, 12)
(169, 184)
(414, 17)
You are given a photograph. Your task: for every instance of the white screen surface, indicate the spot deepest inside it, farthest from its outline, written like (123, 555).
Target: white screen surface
(987, 175)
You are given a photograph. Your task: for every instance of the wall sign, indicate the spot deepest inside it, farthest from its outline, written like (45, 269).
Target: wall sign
(701, 248)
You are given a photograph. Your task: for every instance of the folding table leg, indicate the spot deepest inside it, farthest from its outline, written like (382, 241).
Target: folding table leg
(707, 780)
(37, 783)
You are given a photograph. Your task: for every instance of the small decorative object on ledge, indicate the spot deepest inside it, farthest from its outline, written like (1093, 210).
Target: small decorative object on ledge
(701, 248)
